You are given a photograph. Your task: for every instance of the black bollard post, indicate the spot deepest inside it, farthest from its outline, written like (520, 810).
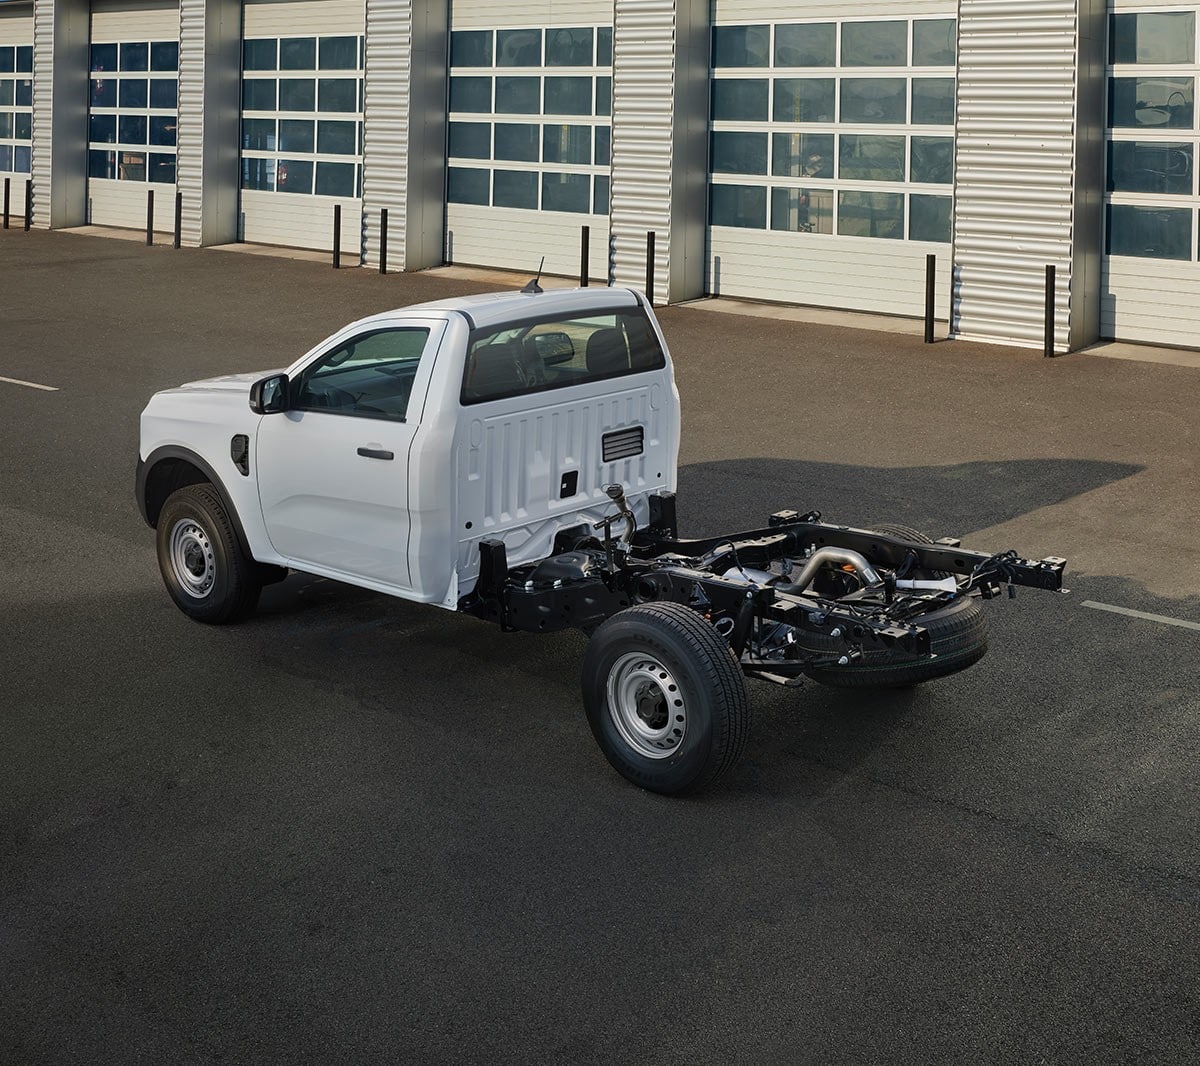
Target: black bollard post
(1049, 350)
(930, 298)
(7, 194)
(178, 220)
(383, 241)
(585, 240)
(337, 236)
(650, 267)
(28, 203)
(149, 218)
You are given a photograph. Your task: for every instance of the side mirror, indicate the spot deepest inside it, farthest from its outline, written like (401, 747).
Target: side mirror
(556, 347)
(270, 395)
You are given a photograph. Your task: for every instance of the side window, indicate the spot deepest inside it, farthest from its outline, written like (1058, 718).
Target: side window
(370, 376)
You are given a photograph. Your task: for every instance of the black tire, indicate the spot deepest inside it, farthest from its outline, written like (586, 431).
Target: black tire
(692, 714)
(958, 635)
(908, 533)
(206, 572)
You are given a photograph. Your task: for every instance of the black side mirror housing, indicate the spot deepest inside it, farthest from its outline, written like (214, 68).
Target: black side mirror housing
(270, 395)
(555, 347)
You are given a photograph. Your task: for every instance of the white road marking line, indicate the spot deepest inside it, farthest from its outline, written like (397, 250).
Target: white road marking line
(1141, 614)
(30, 384)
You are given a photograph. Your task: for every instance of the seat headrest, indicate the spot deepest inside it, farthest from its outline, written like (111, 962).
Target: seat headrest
(607, 352)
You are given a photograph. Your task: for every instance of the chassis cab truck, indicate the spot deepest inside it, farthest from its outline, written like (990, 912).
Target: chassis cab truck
(513, 456)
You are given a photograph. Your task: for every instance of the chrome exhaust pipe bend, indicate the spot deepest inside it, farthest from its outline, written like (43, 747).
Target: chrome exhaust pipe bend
(832, 557)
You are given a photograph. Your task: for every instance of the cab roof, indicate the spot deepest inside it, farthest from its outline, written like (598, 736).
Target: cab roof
(496, 308)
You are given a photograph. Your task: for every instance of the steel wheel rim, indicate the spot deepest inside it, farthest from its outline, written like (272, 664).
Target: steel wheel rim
(192, 560)
(647, 705)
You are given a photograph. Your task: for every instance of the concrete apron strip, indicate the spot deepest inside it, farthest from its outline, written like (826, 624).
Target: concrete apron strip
(1160, 618)
(30, 384)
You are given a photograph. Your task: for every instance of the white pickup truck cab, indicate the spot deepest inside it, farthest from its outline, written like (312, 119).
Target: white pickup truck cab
(513, 456)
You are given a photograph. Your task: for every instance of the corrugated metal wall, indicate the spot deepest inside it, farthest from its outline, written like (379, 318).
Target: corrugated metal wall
(189, 174)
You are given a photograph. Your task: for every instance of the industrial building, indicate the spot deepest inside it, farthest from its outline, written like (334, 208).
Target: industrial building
(799, 151)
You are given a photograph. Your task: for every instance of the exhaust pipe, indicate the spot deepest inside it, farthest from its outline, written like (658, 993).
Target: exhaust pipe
(832, 557)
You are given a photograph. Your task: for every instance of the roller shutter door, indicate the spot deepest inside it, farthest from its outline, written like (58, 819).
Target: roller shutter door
(530, 134)
(302, 120)
(133, 112)
(16, 103)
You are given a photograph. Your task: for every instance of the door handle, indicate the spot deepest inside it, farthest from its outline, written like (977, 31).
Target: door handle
(375, 453)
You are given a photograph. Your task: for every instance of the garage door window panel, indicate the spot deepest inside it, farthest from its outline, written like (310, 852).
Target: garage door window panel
(1150, 232)
(1153, 37)
(515, 188)
(808, 45)
(804, 100)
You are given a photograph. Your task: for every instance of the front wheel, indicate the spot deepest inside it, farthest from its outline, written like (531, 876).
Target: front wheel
(665, 698)
(204, 568)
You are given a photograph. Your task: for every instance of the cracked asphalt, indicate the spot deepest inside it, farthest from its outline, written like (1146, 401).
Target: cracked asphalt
(353, 829)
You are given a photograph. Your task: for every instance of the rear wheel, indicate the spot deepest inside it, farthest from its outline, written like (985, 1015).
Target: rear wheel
(665, 699)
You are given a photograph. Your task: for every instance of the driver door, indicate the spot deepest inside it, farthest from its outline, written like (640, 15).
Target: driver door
(333, 469)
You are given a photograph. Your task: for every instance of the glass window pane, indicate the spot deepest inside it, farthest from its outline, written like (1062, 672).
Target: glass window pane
(811, 45)
(935, 43)
(162, 169)
(6, 92)
(164, 93)
(604, 96)
(933, 101)
(802, 210)
(603, 146)
(258, 94)
(22, 126)
(164, 55)
(258, 134)
(1163, 37)
(1150, 232)
(134, 92)
(566, 144)
(874, 44)
(874, 100)
(804, 100)
(740, 99)
(871, 214)
(297, 94)
(131, 129)
(518, 48)
(471, 94)
(336, 138)
(741, 46)
(743, 206)
(604, 38)
(6, 129)
(871, 158)
(258, 174)
(104, 57)
(102, 164)
(335, 179)
(932, 160)
(135, 56)
(515, 188)
(295, 135)
(468, 186)
(929, 218)
(131, 166)
(517, 142)
(339, 53)
(25, 58)
(1163, 102)
(8, 59)
(22, 158)
(339, 94)
(469, 140)
(471, 48)
(739, 153)
(569, 48)
(24, 92)
(518, 96)
(1151, 166)
(259, 55)
(101, 129)
(802, 155)
(600, 185)
(567, 192)
(568, 96)
(294, 175)
(6, 153)
(163, 129)
(104, 92)
(298, 53)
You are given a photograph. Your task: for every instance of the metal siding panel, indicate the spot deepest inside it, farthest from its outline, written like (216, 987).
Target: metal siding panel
(134, 20)
(189, 172)
(291, 18)
(739, 11)
(16, 28)
(487, 14)
(516, 240)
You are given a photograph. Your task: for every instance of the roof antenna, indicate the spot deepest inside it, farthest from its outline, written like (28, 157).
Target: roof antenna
(533, 287)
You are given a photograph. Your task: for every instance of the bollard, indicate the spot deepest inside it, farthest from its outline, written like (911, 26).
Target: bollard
(337, 235)
(1049, 350)
(383, 241)
(585, 240)
(149, 218)
(930, 298)
(7, 193)
(28, 203)
(178, 219)
(650, 267)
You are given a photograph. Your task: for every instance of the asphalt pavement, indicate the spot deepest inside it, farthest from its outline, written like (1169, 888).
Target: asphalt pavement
(356, 830)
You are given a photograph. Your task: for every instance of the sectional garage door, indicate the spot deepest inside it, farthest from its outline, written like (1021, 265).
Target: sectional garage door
(133, 112)
(16, 102)
(301, 134)
(530, 134)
